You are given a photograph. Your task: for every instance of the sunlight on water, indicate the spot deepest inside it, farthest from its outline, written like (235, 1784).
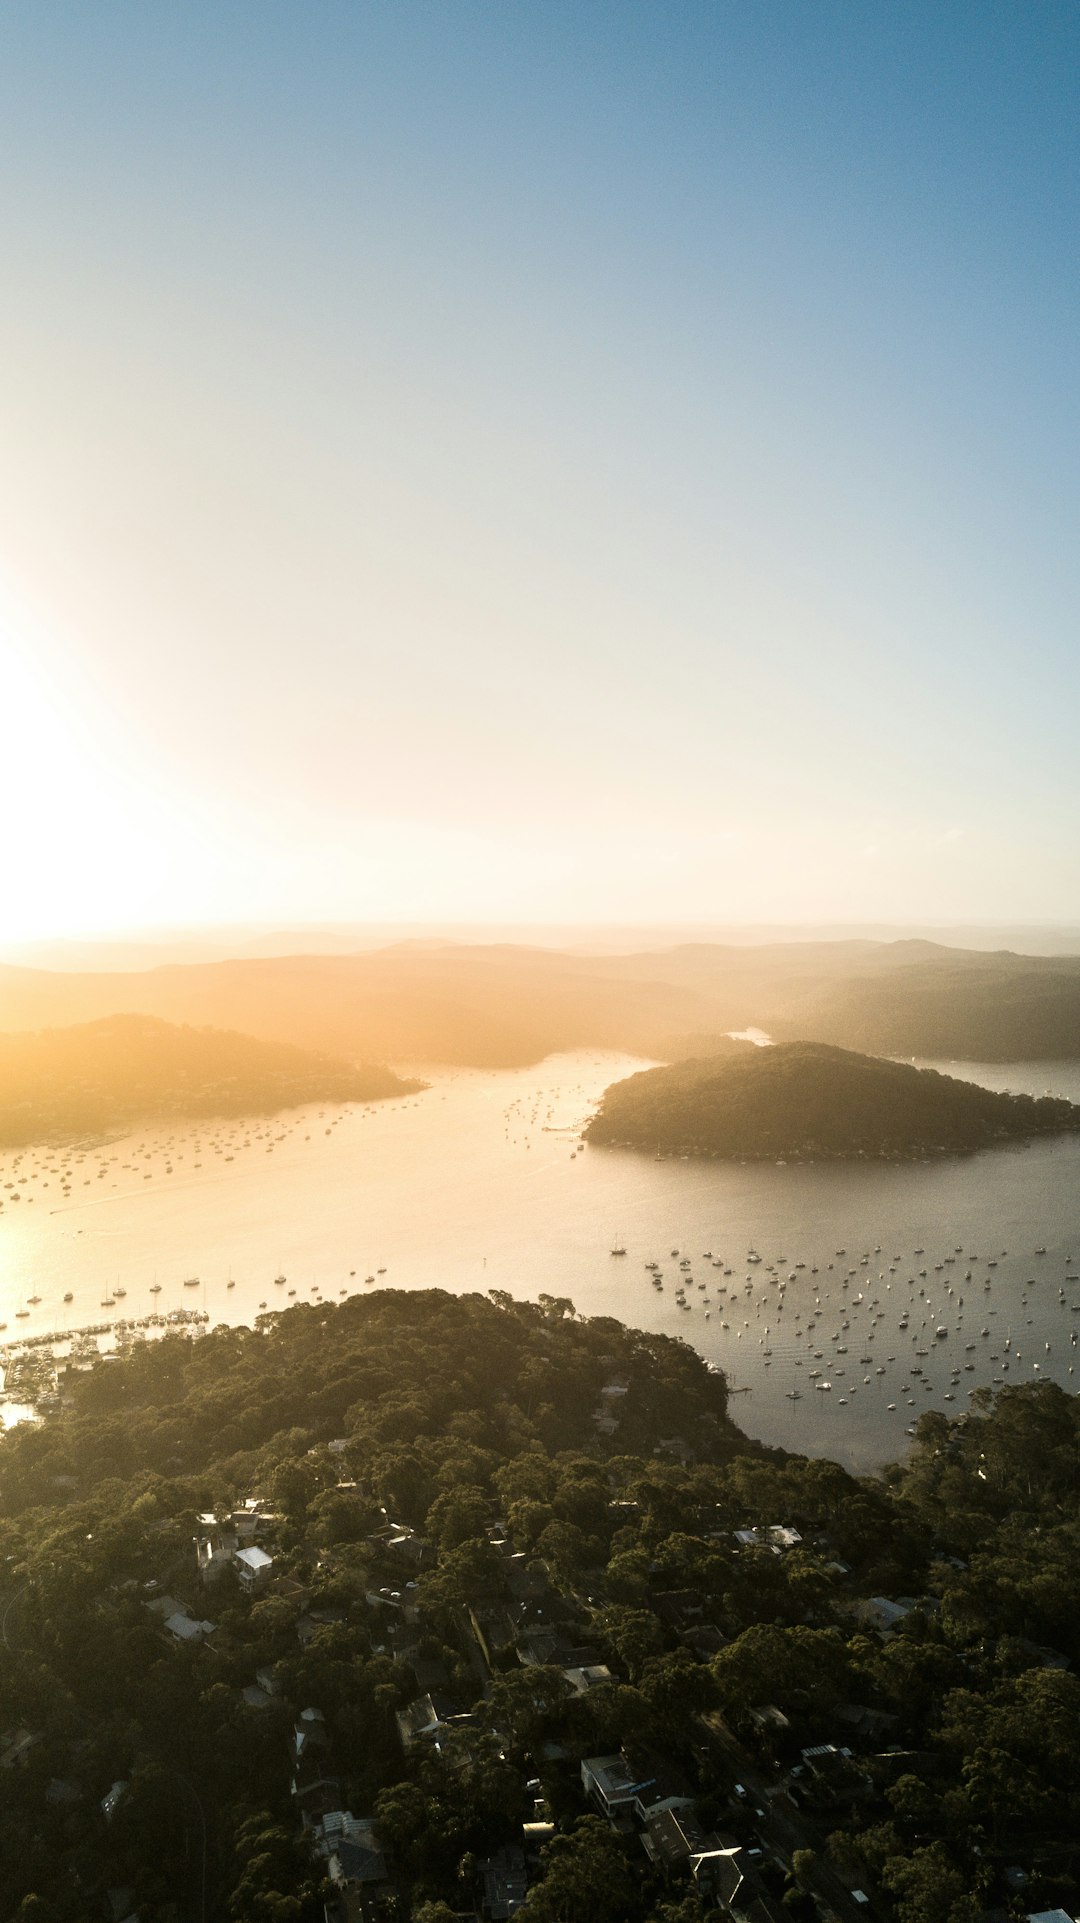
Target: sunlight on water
(481, 1182)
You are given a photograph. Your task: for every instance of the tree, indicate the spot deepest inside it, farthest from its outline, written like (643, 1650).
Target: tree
(457, 1515)
(585, 1874)
(927, 1886)
(630, 1636)
(674, 1688)
(523, 1702)
(802, 1670)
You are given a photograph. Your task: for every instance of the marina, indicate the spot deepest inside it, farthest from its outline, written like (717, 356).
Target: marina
(841, 1299)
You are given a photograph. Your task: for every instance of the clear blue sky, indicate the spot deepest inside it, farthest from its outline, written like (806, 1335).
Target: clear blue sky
(539, 461)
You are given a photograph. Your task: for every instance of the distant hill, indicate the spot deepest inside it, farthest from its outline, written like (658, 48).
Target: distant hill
(809, 1098)
(67, 1082)
(509, 1005)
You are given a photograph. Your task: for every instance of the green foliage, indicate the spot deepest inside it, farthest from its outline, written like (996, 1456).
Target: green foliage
(69, 1082)
(809, 1097)
(585, 1874)
(455, 1411)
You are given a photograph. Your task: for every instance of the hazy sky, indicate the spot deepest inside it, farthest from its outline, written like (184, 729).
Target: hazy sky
(538, 460)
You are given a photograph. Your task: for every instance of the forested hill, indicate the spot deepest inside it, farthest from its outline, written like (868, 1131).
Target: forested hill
(544, 1534)
(808, 1098)
(504, 1005)
(108, 1075)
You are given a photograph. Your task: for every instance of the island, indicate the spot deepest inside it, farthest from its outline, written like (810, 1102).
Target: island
(105, 1076)
(810, 1099)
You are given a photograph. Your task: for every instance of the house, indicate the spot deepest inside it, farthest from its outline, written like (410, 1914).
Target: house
(769, 1721)
(429, 1673)
(679, 1609)
(16, 1746)
(350, 1845)
(673, 1837)
(869, 1724)
(315, 1793)
(253, 1567)
(185, 1629)
(505, 1883)
(883, 1614)
(1042, 1655)
(586, 1676)
(622, 1790)
(705, 1639)
(253, 1519)
(403, 1546)
(720, 1875)
(165, 1606)
(110, 1802)
(309, 1734)
(214, 1549)
(221, 1537)
(427, 1719)
(63, 1793)
(829, 1777)
(611, 1784)
(776, 1536)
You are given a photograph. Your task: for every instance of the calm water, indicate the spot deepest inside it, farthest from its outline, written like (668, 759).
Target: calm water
(475, 1184)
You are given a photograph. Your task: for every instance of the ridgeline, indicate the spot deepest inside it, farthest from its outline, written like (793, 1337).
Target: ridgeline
(806, 1098)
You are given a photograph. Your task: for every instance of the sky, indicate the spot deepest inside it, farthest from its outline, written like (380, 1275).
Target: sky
(565, 461)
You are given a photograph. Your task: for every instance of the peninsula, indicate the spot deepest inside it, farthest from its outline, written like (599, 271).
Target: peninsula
(68, 1082)
(807, 1098)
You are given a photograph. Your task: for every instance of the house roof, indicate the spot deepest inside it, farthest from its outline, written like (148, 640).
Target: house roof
(361, 1862)
(15, 1746)
(424, 1714)
(254, 1559)
(586, 1677)
(352, 1846)
(674, 1836)
(186, 1629)
(613, 1777)
(505, 1882)
(719, 1871)
(110, 1801)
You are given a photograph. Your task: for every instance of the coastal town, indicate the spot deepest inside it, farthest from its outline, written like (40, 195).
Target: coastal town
(598, 1675)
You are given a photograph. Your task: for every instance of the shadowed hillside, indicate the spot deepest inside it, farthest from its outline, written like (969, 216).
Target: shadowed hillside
(109, 1074)
(806, 1098)
(503, 1006)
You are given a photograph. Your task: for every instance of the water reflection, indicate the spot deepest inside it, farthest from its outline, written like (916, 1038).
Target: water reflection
(482, 1182)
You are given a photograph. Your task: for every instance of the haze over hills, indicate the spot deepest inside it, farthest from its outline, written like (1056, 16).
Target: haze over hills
(158, 948)
(809, 1098)
(111, 1073)
(505, 1005)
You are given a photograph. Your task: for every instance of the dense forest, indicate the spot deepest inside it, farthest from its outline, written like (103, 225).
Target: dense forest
(505, 1005)
(804, 1098)
(107, 1075)
(498, 1540)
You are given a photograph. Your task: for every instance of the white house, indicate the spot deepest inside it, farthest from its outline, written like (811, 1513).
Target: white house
(253, 1566)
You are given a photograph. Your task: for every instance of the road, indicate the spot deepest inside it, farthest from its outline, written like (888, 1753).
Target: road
(783, 1827)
